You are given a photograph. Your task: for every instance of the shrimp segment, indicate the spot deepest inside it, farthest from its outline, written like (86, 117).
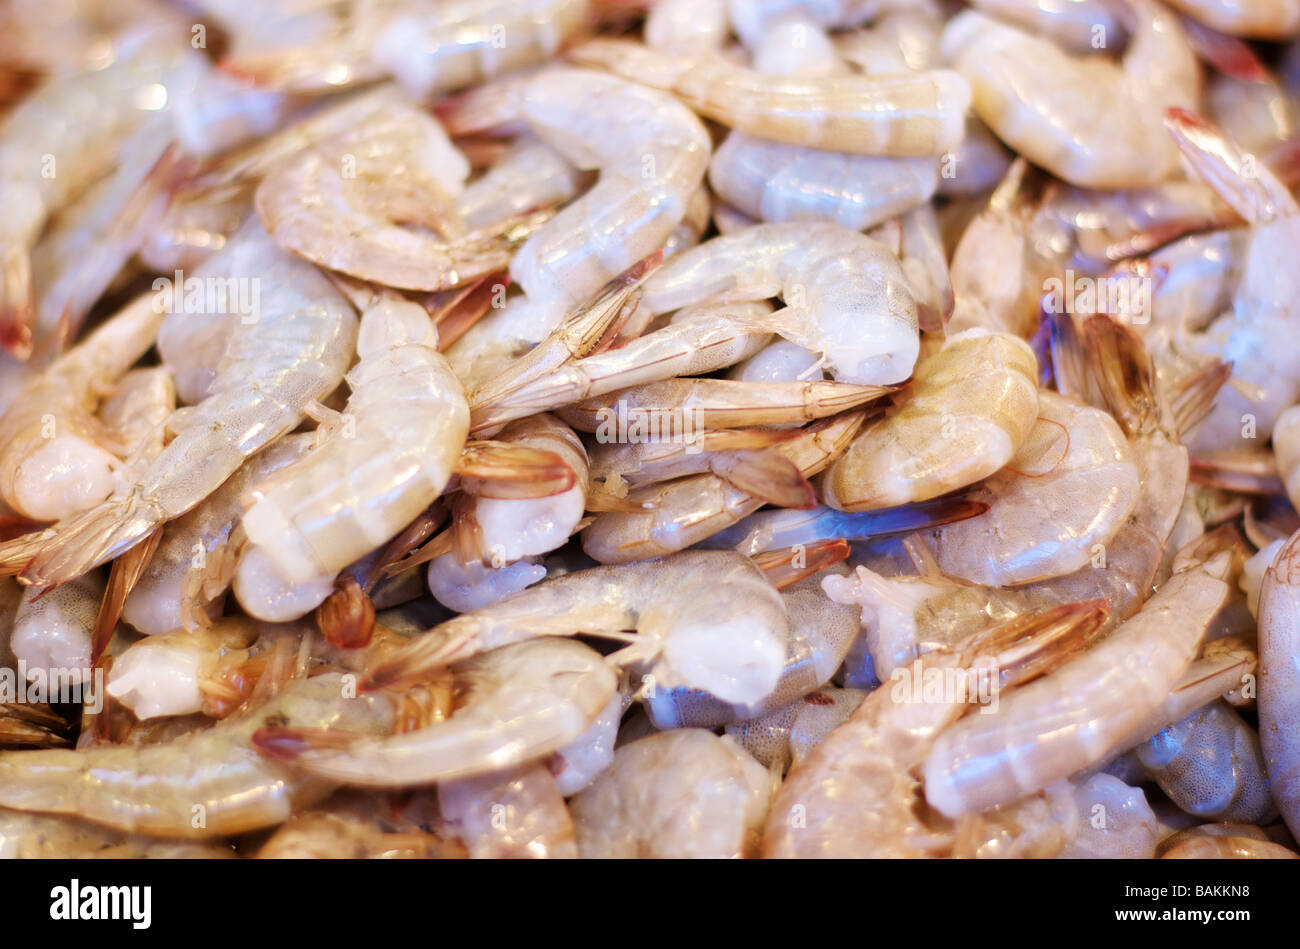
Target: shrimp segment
(382, 463)
(964, 415)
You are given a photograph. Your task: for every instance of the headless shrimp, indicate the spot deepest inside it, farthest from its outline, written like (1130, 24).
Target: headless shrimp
(1279, 682)
(965, 414)
(396, 443)
(1035, 527)
(1021, 83)
(856, 793)
(524, 701)
(679, 794)
(156, 789)
(914, 114)
(1096, 699)
(56, 458)
(292, 351)
(847, 297)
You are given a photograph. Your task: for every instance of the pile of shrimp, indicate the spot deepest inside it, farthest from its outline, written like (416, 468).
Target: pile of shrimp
(699, 428)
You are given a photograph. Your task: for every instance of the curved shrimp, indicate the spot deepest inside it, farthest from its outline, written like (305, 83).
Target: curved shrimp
(965, 414)
(80, 119)
(524, 701)
(915, 114)
(856, 793)
(846, 295)
(397, 442)
(1035, 527)
(1266, 378)
(1096, 699)
(194, 564)
(732, 642)
(1111, 137)
(679, 794)
(290, 352)
(57, 460)
(1279, 682)
(210, 783)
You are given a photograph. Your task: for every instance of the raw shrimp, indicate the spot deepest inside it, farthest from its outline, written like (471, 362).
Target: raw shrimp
(1210, 765)
(1080, 26)
(195, 562)
(705, 620)
(689, 26)
(846, 295)
(856, 794)
(1092, 122)
(1229, 848)
(1036, 527)
(39, 837)
(523, 701)
(1115, 821)
(965, 414)
(784, 737)
(292, 350)
(1260, 19)
(56, 458)
(210, 783)
(905, 115)
(686, 793)
(362, 825)
(1095, 700)
(754, 19)
(688, 510)
(509, 814)
(1279, 683)
(79, 121)
(52, 632)
(578, 763)
(377, 467)
(506, 530)
(1266, 377)
(137, 412)
(530, 175)
(821, 634)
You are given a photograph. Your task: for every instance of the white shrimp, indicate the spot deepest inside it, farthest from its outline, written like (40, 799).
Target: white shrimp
(689, 26)
(1279, 683)
(964, 416)
(52, 632)
(706, 620)
(578, 763)
(1090, 121)
(525, 701)
(1128, 830)
(194, 564)
(1259, 19)
(528, 176)
(1081, 26)
(396, 444)
(1266, 377)
(846, 295)
(986, 760)
(56, 458)
(291, 349)
(79, 120)
(821, 634)
(509, 814)
(904, 115)
(679, 794)
(155, 789)
(856, 793)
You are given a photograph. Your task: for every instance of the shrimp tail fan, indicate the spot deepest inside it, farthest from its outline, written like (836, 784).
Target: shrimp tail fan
(91, 538)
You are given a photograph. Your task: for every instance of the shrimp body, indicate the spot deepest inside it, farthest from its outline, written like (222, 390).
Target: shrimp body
(965, 414)
(1089, 121)
(210, 783)
(383, 462)
(56, 459)
(509, 814)
(52, 632)
(678, 794)
(294, 349)
(1090, 703)
(1035, 527)
(919, 113)
(846, 295)
(1279, 679)
(1259, 19)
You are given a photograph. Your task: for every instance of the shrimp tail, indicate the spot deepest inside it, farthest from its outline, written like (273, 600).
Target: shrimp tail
(789, 565)
(415, 661)
(1034, 643)
(91, 538)
(1238, 178)
(17, 309)
(767, 475)
(1124, 373)
(122, 578)
(492, 469)
(1193, 396)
